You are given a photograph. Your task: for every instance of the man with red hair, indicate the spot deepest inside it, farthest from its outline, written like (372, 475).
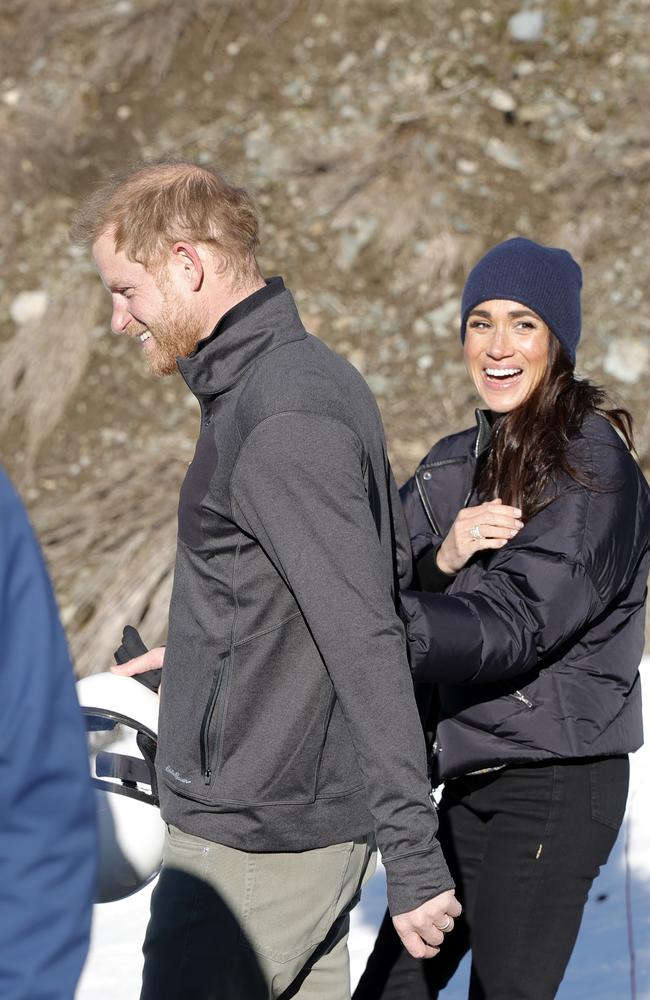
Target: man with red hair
(289, 734)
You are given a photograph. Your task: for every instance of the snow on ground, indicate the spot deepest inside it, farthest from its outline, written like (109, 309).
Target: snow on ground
(614, 937)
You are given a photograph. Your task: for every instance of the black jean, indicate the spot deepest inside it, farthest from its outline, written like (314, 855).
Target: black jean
(524, 845)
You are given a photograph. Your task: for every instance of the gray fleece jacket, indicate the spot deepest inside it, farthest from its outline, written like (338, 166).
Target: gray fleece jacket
(288, 720)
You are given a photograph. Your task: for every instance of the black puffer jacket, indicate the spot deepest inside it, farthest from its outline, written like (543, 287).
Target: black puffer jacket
(536, 652)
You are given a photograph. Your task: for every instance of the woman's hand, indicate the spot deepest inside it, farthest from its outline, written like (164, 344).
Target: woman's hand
(486, 526)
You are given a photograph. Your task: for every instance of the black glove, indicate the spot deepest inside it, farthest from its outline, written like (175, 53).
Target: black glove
(132, 645)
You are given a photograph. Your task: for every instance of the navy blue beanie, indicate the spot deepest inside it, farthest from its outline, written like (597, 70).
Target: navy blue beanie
(545, 279)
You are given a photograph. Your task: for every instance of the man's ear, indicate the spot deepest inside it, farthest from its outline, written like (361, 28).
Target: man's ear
(188, 265)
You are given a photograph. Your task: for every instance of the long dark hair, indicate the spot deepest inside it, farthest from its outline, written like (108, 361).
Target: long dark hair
(530, 443)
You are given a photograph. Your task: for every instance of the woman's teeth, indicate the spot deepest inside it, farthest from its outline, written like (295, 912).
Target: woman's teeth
(502, 372)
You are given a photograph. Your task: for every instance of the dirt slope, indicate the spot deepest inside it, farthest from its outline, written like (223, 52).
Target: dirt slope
(387, 143)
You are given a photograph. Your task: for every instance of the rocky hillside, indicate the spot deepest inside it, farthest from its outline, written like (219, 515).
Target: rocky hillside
(387, 143)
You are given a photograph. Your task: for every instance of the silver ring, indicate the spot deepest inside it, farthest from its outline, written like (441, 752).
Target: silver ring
(475, 532)
(447, 925)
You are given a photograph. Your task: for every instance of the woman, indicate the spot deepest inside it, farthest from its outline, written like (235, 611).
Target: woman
(535, 525)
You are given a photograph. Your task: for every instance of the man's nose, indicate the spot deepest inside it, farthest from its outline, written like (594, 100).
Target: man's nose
(120, 318)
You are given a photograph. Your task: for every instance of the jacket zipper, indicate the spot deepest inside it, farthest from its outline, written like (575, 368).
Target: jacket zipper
(207, 719)
(426, 503)
(520, 696)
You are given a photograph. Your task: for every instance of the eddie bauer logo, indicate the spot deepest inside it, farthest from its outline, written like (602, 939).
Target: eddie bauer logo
(175, 774)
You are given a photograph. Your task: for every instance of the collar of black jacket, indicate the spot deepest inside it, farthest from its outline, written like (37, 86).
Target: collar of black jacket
(484, 436)
(261, 322)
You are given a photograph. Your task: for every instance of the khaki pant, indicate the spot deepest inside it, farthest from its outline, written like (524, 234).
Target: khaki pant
(232, 925)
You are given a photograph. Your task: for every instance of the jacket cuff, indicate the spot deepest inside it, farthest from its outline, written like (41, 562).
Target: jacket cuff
(444, 637)
(415, 878)
(430, 575)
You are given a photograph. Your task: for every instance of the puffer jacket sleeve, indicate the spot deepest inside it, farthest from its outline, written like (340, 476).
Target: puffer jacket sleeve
(542, 590)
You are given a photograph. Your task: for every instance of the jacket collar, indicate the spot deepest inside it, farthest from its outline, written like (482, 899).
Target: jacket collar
(258, 324)
(484, 435)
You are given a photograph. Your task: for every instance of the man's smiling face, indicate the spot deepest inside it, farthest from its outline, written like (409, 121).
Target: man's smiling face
(150, 306)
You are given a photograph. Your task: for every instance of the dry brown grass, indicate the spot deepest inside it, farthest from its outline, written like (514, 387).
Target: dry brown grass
(112, 554)
(110, 546)
(74, 62)
(118, 37)
(42, 365)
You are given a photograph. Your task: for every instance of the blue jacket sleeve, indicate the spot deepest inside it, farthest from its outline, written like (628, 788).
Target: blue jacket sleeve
(47, 820)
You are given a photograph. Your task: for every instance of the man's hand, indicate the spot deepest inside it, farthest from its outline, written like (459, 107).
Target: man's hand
(423, 930)
(151, 660)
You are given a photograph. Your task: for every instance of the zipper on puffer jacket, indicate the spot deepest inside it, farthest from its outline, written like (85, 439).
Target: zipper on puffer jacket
(520, 696)
(204, 734)
(424, 472)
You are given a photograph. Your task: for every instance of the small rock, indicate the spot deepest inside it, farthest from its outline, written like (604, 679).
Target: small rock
(298, 90)
(586, 29)
(28, 307)
(123, 113)
(271, 158)
(349, 60)
(535, 112)
(444, 318)
(349, 112)
(503, 154)
(523, 68)
(425, 362)
(378, 383)
(466, 167)
(11, 97)
(627, 359)
(502, 101)
(354, 240)
(526, 26)
(113, 435)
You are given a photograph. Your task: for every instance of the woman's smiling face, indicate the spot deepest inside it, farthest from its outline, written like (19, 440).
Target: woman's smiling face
(506, 352)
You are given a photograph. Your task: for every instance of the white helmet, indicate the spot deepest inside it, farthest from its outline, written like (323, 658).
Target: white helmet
(122, 726)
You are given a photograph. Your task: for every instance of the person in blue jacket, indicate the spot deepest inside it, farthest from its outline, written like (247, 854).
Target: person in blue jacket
(530, 534)
(47, 818)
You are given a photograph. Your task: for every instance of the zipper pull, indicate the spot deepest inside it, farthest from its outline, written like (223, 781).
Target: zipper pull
(522, 697)
(207, 775)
